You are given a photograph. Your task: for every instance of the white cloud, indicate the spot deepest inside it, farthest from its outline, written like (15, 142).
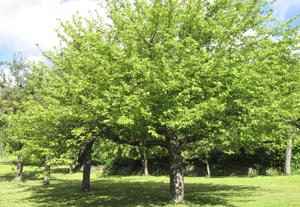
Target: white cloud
(25, 23)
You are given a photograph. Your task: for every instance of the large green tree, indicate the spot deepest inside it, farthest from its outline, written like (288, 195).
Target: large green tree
(172, 72)
(192, 70)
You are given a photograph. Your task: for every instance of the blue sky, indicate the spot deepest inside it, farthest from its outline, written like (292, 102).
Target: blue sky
(25, 23)
(284, 9)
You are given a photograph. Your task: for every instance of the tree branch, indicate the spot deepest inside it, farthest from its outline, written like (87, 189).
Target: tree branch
(147, 143)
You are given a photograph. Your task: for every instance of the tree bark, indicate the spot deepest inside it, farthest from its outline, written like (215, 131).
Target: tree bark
(87, 162)
(47, 168)
(20, 165)
(288, 157)
(176, 175)
(145, 163)
(71, 169)
(207, 168)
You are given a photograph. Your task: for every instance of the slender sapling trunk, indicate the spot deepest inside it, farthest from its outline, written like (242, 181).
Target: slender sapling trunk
(71, 169)
(20, 165)
(288, 157)
(207, 168)
(145, 163)
(47, 168)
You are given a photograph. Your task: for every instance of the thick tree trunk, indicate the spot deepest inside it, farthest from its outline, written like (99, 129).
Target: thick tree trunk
(176, 175)
(87, 162)
(86, 176)
(288, 157)
(47, 169)
(145, 163)
(207, 168)
(19, 174)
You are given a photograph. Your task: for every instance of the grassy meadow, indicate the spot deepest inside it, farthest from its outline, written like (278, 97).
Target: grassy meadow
(130, 191)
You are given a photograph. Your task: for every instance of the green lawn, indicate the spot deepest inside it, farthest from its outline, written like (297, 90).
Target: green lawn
(145, 191)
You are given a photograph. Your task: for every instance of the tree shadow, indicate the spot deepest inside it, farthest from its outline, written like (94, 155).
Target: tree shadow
(64, 170)
(109, 193)
(6, 177)
(27, 175)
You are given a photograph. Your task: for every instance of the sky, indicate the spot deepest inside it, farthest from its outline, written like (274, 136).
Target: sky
(25, 23)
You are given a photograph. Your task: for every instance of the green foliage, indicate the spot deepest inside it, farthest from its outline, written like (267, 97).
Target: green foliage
(221, 74)
(296, 155)
(191, 70)
(13, 91)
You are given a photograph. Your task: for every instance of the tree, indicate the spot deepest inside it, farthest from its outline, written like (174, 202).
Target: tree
(193, 70)
(41, 126)
(13, 88)
(171, 72)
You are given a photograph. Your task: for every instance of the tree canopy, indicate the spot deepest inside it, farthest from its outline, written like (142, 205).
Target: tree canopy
(165, 73)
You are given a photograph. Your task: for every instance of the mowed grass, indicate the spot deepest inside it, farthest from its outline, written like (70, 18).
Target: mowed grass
(144, 191)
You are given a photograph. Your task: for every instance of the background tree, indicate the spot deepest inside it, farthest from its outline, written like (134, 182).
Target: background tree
(201, 151)
(13, 88)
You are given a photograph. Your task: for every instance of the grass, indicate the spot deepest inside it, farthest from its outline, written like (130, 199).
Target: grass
(136, 191)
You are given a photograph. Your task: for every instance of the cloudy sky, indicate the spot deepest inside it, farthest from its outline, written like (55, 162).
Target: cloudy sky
(24, 23)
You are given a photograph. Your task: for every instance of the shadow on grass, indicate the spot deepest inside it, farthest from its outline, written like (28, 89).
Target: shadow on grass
(27, 175)
(111, 193)
(7, 177)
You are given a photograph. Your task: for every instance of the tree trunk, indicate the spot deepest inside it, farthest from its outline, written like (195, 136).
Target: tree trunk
(145, 163)
(207, 168)
(86, 176)
(47, 169)
(71, 169)
(19, 175)
(87, 162)
(288, 157)
(176, 175)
